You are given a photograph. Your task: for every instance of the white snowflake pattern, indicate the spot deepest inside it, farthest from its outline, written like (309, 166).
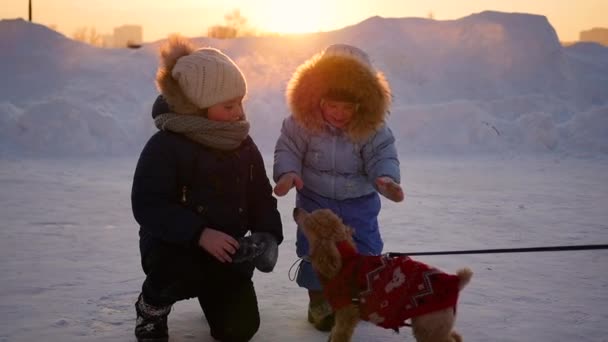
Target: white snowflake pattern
(375, 318)
(396, 282)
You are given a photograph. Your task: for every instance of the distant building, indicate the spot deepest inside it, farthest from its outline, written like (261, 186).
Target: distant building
(128, 35)
(597, 35)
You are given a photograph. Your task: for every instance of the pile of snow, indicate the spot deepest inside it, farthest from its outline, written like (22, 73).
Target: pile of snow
(487, 83)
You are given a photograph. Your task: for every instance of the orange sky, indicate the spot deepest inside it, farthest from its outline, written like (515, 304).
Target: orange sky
(192, 17)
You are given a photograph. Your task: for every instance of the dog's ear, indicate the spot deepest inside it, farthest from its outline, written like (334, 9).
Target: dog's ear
(327, 258)
(299, 215)
(350, 238)
(349, 232)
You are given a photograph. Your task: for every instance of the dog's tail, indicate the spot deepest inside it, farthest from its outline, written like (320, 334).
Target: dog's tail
(464, 275)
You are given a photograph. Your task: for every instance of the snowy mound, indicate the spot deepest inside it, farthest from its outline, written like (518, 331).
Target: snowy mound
(490, 82)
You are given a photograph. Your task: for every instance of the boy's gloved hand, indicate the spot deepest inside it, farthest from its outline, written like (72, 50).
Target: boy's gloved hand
(286, 182)
(389, 189)
(259, 248)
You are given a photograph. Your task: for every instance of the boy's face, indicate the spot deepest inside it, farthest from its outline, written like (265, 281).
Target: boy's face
(338, 113)
(231, 110)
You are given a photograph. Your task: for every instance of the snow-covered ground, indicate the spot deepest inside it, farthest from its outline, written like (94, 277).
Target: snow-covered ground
(70, 264)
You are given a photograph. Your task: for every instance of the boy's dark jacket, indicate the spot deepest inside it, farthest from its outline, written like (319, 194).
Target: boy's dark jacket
(180, 187)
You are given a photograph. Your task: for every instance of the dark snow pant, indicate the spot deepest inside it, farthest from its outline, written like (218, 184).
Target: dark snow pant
(225, 292)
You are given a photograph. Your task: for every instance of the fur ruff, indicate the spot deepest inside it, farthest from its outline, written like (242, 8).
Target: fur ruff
(316, 77)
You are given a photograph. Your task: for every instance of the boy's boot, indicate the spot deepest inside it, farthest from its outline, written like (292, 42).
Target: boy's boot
(320, 314)
(151, 324)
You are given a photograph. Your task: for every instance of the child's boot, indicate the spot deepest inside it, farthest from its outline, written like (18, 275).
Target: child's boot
(151, 324)
(320, 314)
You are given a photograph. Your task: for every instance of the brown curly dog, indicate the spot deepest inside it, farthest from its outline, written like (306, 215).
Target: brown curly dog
(384, 290)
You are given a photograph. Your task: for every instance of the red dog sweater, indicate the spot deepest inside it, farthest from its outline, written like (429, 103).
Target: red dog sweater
(389, 290)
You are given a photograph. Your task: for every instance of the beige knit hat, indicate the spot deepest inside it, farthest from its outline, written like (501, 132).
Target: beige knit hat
(192, 79)
(208, 77)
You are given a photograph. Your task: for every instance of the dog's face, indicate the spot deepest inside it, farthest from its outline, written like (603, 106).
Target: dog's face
(323, 229)
(321, 224)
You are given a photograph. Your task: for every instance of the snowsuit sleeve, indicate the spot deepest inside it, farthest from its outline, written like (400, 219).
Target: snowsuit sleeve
(263, 214)
(289, 150)
(380, 156)
(155, 192)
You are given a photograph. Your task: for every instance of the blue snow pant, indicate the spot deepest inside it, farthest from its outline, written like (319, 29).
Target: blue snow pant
(360, 213)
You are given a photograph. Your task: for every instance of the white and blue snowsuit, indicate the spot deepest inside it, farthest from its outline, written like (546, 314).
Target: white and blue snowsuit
(338, 166)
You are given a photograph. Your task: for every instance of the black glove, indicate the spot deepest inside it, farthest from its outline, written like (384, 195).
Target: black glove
(259, 248)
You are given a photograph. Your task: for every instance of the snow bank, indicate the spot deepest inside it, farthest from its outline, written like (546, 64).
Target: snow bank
(490, 82)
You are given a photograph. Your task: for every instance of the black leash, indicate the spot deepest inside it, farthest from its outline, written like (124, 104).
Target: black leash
(506, 250)
(509, 250)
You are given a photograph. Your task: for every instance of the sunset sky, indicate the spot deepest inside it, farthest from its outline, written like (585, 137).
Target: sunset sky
(192, 17)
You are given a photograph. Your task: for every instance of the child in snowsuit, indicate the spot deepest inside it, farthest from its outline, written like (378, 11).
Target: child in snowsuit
(200, 185)
(338, 152)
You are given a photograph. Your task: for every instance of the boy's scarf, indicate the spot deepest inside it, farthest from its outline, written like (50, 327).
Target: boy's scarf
(222, 135)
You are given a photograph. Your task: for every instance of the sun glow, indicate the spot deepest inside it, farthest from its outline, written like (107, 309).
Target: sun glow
(193, 17)
(295, 17)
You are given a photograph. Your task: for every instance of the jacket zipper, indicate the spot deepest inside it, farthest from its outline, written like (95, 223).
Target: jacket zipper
(184, 190)
(333, 166)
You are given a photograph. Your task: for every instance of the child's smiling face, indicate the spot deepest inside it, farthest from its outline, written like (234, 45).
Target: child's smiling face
(338, 113)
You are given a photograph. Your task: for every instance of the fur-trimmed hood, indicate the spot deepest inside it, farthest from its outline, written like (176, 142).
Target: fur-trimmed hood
(341, 69)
